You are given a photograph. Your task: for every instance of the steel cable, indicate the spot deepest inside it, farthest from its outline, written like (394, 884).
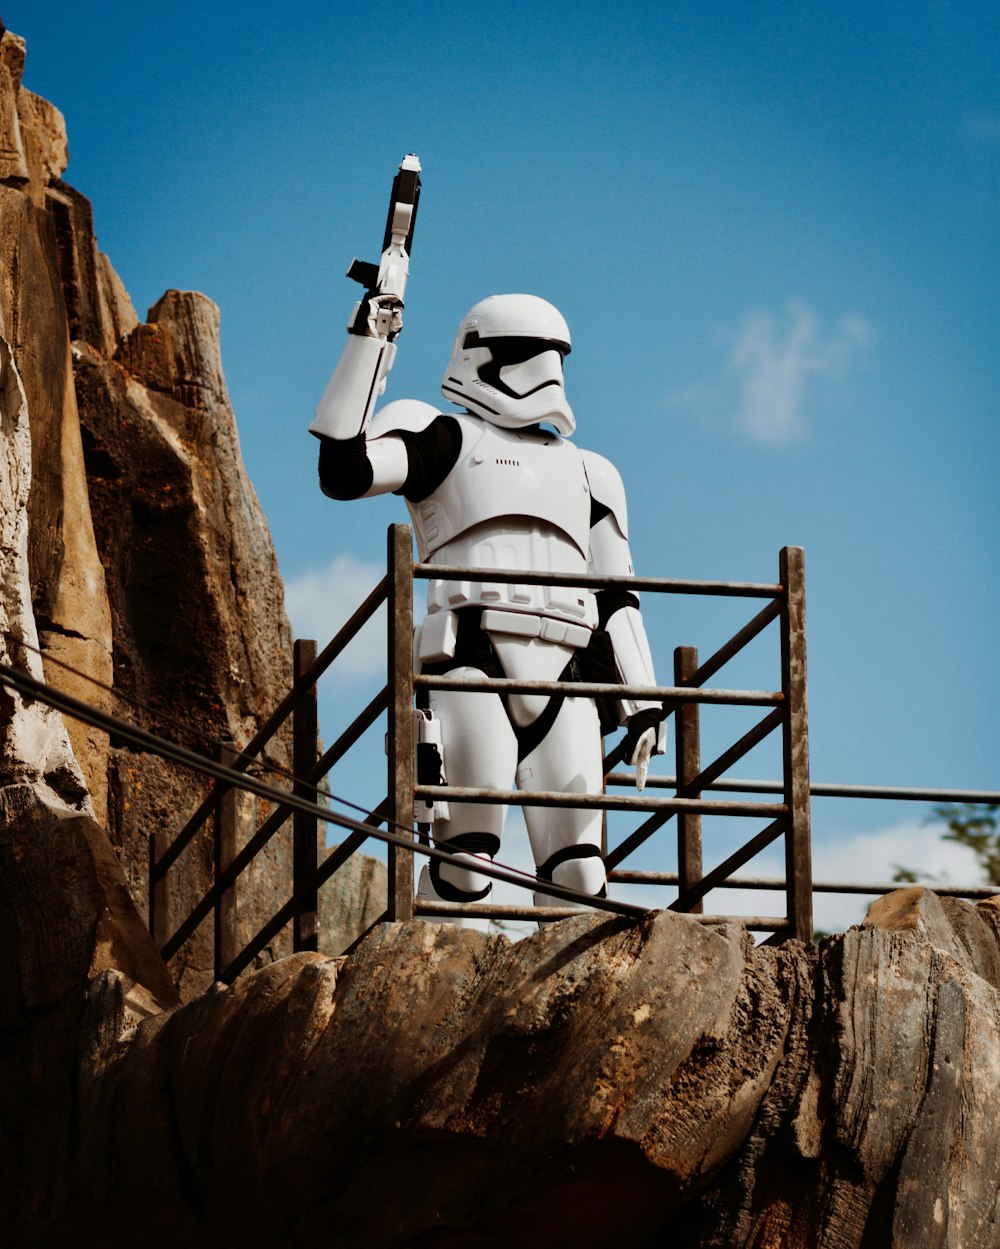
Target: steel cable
(30, 687)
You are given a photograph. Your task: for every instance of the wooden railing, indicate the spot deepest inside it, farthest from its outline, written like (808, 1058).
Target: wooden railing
(785, 710)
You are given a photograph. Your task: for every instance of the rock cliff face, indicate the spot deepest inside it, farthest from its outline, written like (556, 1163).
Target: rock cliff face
(605, 1082)
(67, 579)
(144, 573)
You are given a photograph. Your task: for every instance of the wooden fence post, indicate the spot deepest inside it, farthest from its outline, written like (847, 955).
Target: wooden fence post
(224, 837)
(401, 750)
(687, 745)
(305, 828)
(159, 902)
(795, 743)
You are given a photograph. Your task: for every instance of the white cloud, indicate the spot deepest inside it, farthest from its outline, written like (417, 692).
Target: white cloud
(861, 857)
(875, 857)
(319, 601)
(774, 371)
(911, 843)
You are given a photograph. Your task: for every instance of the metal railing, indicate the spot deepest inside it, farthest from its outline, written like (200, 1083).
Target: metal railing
(784, 712)
(218, 809)
(786, 709)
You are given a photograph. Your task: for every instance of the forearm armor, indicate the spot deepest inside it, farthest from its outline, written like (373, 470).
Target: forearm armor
(620, 617)
(354, 387)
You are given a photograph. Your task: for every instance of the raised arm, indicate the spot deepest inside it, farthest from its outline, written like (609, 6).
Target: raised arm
(350, 465)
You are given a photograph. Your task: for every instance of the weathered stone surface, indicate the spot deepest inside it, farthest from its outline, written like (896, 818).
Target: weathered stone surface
(70, 602)
(603, 1082)
(888, 1137)
(200, 633)
(33, 149)
(43, 130)
(145, 538)
(34, 745)
(13, 162)
(176, 352)
(968, 934)
(98, 309)
(354, 904)
(67, 923)
(202, 644)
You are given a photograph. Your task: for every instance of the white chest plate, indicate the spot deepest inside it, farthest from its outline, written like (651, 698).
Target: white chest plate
(503, 473)
(515, 499)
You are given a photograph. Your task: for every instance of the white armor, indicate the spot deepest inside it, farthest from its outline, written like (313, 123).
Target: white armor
(494, 489)
(513, 500)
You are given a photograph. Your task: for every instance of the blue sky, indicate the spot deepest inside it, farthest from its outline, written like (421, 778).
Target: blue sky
(773, 230)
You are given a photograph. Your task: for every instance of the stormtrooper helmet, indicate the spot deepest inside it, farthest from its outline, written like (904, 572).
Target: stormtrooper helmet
(507, 363)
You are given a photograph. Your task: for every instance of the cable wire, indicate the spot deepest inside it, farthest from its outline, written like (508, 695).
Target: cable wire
(267, 763)
(30, 687)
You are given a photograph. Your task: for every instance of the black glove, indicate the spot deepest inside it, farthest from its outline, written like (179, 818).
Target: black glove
(641, 732)
(635, 726)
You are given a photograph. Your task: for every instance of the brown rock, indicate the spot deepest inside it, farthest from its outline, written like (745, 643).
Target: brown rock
(202, 644)
(98, 309)
(600, 1083)
(33, 149)
(34, 745)
(177, 351)
(66, 575)
(353, 901)
(13, 163)
(968, 934)
(70, 600)
(181, 579)
(67, 921)
(43, 131)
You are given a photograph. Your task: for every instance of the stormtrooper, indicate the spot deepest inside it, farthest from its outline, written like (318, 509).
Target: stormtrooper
(498, 484)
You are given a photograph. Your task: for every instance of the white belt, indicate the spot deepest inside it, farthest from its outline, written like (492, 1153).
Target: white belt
(524, 625)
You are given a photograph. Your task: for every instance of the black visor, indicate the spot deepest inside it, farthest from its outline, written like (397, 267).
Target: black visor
(514, 350)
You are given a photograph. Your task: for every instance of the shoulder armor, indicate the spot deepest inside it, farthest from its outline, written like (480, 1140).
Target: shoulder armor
(407, 415)
(606, 487)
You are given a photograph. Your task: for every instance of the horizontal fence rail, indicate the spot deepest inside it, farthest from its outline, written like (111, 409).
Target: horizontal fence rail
(603, 802)
(508, 576)
(861, 888)
(826, 789)
(700, 790)
(605, 689)
(682, 700)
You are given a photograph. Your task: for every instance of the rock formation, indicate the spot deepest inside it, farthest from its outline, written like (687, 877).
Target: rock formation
(605, 1082)
(34, 745)
(148, 579)
(67, 580)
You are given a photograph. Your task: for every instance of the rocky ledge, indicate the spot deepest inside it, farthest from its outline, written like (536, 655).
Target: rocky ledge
(605, 1082)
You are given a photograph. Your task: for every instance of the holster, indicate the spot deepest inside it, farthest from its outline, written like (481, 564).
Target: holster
(430, 765)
